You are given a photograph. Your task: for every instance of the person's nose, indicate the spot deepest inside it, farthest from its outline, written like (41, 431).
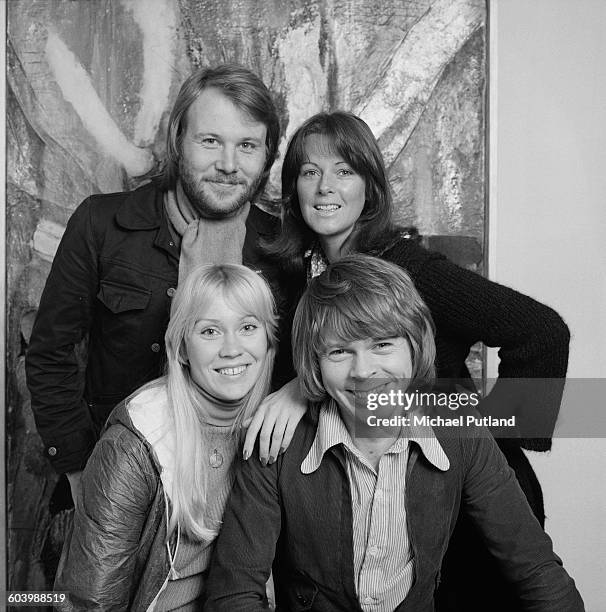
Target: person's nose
(231, 346)
(325, 185)
(227, 161)
(362, 366)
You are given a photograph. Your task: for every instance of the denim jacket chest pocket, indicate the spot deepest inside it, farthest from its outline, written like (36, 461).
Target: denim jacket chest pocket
(127, 337)
(119, 297)
(122, 316)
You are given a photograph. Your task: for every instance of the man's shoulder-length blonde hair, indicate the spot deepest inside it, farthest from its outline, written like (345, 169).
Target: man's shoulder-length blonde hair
(245, 291)
(356, 298)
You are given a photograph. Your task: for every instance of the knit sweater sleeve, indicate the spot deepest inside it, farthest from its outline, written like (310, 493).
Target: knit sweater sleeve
(532, 338)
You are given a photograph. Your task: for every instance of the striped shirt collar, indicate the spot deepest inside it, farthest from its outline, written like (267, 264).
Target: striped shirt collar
(332, 432)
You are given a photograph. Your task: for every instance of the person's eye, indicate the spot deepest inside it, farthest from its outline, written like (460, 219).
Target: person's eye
(249, 328)
(336, 354)
(248, 147)
(210, 142)
(309, 172)
(384, 345)
(209, 332)
(345, 172)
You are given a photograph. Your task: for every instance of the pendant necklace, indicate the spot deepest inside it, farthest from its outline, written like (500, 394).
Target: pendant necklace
(215, 459)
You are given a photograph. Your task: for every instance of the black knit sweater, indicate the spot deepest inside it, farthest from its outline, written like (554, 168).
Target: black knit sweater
(468, 308)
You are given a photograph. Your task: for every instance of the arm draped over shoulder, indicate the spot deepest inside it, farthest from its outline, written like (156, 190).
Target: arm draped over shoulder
(532, 338)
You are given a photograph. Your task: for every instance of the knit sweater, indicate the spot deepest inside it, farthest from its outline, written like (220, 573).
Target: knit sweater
(191, 561)
(532, 338)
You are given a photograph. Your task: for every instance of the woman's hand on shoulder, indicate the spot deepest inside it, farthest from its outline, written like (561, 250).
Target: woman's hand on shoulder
(275, 422)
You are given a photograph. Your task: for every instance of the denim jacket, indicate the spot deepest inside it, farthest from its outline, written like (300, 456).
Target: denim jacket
(111, 283)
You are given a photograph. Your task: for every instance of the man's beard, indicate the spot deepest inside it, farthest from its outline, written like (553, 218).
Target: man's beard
(207, 202)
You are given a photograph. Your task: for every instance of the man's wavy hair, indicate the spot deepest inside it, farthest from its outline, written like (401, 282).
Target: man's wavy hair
(246, 90)
(356, 298)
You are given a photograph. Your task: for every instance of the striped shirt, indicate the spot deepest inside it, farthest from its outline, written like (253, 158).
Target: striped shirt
(383, 557)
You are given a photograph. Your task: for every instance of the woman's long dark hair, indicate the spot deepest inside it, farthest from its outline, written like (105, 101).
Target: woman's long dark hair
(352, 139)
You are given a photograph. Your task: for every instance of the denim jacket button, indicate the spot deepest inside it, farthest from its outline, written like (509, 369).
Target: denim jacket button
(155, 347)
(52, 451)
(170, 291)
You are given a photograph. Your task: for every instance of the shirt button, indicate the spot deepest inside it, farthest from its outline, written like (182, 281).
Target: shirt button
(155, 347)
(171, 243)
(368, 599)
(52, 451)
(379, 494)
(170, 291)
(373, 550)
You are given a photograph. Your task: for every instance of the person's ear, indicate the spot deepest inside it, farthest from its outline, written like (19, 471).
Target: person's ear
(182, 356)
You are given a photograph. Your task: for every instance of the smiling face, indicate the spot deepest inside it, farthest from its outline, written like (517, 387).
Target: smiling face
(222, 155)
(361, 366)
(331, 193)
(226, 350)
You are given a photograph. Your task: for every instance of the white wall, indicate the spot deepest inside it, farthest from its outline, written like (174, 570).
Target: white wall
(548, 229)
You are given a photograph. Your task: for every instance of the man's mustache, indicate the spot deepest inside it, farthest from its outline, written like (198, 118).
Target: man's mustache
(226, 180)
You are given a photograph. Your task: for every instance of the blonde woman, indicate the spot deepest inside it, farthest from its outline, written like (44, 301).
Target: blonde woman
(155, 487)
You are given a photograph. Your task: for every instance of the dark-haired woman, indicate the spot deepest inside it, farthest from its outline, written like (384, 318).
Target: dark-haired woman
(337, 201)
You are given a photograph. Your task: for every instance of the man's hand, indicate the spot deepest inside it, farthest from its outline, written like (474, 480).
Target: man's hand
(74, 483)
(276, 419)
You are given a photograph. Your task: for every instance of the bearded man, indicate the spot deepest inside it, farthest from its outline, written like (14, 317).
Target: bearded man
(123, 254)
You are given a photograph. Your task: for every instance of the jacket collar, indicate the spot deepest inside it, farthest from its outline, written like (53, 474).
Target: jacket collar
(143, 209)
(128, 413)
(332, 432)
(146, 414)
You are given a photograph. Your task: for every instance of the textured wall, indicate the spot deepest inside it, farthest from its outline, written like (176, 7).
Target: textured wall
(90, 84)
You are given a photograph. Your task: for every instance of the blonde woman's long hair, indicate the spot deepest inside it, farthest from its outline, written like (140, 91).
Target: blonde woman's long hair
(245, 291)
